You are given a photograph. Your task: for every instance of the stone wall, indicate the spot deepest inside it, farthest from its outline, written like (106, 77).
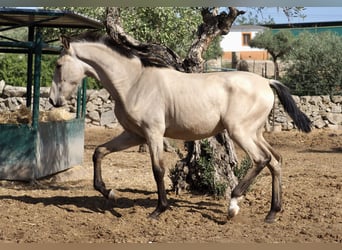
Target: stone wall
(324, 111)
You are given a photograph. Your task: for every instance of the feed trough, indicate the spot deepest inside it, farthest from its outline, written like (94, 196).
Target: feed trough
(29, 151)
(35, 149)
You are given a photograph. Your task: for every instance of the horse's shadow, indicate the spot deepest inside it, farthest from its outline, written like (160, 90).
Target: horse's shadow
(98, 204)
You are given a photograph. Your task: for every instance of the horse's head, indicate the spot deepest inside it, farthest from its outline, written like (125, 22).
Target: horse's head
(69, 72)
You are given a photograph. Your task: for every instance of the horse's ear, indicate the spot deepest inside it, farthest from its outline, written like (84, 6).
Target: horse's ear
(65, 40)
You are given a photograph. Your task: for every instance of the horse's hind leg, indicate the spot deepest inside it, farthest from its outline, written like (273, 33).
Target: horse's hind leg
(262, 155)
(123, 141)
(275, 167)
(260, 159)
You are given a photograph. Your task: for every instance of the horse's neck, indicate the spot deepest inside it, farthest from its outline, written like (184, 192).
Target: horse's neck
(116, 73)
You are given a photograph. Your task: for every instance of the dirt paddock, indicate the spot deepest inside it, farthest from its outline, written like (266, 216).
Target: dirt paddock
(54, 211)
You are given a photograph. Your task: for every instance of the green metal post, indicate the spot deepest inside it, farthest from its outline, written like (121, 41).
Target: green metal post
(81, 99)
(36, 86)
(78, 102)
(84, 97)
(29, 68)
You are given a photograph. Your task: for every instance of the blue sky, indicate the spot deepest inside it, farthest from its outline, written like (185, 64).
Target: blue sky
(313, 14)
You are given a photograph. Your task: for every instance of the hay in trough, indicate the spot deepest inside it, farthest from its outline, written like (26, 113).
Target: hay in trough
(24, 115)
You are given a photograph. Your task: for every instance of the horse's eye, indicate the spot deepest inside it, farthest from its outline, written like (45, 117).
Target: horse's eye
(58, 66)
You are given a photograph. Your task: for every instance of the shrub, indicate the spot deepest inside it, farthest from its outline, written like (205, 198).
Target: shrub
(314, 64)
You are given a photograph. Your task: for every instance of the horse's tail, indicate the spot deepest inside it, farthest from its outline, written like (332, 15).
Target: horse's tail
(301, 121)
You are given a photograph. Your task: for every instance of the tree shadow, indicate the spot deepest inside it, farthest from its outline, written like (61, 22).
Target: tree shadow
(320, 151)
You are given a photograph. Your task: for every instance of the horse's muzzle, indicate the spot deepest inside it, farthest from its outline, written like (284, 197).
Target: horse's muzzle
(57, 104)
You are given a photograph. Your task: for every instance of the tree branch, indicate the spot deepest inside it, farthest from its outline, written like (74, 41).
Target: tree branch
(154, 54)
(213, 25)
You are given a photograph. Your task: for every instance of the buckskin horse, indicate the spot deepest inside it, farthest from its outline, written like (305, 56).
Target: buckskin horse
(152, 102)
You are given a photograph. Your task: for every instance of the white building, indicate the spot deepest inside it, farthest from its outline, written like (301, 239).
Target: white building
(236, 41)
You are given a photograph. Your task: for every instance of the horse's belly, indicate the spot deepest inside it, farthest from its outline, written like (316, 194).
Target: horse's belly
(194, 132)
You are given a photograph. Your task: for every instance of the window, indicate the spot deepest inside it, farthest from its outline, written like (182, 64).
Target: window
(246, 37)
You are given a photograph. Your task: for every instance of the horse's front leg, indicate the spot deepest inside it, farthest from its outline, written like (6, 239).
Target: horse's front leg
(155, 144)
(123, 141)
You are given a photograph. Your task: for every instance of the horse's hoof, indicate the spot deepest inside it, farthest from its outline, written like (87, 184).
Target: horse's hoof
(234, 208)
(271, 217)
(270, 220)
(232, 212)
(111, 195)
(155, 214)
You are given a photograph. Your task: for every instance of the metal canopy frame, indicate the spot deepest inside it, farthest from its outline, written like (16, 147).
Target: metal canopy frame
(46, 18)
(34, 20)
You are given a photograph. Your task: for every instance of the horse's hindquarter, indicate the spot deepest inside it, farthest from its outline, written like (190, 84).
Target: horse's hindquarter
(250, 100)
(204, 104)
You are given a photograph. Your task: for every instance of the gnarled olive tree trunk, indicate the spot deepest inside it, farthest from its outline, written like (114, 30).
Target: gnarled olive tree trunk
(209, 163)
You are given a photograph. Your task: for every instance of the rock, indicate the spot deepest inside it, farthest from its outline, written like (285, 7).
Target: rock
(281, 119)
(94, 116)
(315, 100)
(91, 95)
(107, 118)
(334, 126)
(336, 109)
(111, 125)
(11, 103)
(334, 118)
(336, 99)
(20, 100)
(305, 99)
(276, 128)
(95, 123)
(319, 123)
(98, 101)
(315, 108)
(91, 107)
(11, 91)
(2, 86)
(107, 106)
(103, 94)
(44, 92)
(325, 99)
(288, 126)
(3, 107)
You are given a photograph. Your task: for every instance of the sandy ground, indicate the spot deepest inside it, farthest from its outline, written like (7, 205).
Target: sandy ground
(54, 211)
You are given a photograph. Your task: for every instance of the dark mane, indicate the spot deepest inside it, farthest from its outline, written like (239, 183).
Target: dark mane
(146, 59)
(105, 39)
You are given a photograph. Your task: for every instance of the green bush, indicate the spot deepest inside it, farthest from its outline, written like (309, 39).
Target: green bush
(314, 64)
(13, 70)
(244, 166)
